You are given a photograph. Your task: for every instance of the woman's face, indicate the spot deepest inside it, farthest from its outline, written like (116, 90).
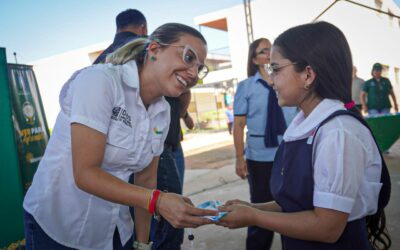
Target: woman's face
(178, 65)
(288, 84)
(262, 53)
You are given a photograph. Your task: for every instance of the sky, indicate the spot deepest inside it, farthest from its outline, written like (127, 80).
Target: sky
(37, 29)
(42, 28)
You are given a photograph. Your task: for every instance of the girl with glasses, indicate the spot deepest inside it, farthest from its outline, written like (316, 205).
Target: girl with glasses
(329, 181)
(256, 106)
(113, 122)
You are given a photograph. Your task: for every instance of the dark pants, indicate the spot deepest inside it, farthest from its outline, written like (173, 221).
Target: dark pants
(163, 234)
(230, 126)
(180, 162)
(37, 239)
(259, 176)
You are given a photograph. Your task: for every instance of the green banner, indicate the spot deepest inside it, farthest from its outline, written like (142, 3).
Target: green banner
(386, 129)
(30, 125)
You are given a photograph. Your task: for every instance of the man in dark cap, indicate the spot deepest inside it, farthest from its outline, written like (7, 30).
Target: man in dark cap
(131, 23)
(377, 91)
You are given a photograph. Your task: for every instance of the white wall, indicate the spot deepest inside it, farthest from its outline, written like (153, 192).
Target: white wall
(372, 37)
(52, 72)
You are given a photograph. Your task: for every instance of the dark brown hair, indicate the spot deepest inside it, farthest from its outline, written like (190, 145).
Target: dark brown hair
(252, 68)
(324, 48)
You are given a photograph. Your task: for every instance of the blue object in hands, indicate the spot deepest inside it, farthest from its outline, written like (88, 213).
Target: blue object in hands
(212, 205)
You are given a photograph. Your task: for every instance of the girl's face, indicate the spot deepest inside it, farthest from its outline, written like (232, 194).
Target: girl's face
(179, 65)
(262, 53)
(290, 86)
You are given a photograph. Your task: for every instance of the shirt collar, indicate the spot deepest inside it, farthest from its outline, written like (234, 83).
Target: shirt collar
(257, 76)
(130, 74)
(301, 127)
(122, 36)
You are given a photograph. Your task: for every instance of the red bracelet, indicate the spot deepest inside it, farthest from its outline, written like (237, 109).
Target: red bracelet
(153, 201)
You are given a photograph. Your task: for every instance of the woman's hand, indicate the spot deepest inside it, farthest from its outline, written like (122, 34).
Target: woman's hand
(239, 215)
(241, 167)
(364, 108)
(180, 212)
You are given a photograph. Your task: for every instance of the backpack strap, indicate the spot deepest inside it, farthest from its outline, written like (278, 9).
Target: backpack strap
(384, 194)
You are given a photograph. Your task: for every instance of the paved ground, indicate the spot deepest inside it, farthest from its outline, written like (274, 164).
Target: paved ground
(210, 176)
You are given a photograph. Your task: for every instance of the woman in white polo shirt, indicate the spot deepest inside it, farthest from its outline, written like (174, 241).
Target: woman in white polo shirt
(113, 122)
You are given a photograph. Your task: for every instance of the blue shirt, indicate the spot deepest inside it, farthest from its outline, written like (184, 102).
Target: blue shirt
(251, 100)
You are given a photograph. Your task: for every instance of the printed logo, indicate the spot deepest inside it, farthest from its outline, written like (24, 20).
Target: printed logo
(157, 132)
(120, 114)
(29, 112)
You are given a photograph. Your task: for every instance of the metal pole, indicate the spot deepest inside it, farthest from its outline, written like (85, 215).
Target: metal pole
(249, 22)
(15, 57)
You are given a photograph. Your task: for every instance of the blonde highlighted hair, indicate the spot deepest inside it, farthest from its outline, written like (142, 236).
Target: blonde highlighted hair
(137, 49)
(133, 50)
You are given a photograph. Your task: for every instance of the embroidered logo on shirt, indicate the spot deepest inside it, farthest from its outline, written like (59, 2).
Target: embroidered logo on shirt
(157, 132)
(120, 114)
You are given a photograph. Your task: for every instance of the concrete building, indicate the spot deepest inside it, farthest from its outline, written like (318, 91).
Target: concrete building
(373, 37)
(52, 72)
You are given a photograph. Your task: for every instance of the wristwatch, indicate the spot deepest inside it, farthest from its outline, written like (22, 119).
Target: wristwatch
(142, 246)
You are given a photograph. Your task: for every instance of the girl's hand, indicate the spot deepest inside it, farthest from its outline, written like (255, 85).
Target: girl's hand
(238, 216)
(180, 212)
(236, 201)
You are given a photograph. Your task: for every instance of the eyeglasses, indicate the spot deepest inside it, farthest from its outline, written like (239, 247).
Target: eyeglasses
(263, 51)
(190, 58)
(273, 69)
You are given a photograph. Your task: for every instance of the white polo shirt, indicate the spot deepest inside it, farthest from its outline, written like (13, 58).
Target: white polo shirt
(106, 98)
(347, 163)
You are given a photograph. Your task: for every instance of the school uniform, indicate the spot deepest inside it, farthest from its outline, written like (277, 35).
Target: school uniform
(252, 101)
(337, 168)
(106, 98)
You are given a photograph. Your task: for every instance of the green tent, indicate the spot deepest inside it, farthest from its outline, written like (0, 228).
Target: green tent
(24, 135)
(386, 129)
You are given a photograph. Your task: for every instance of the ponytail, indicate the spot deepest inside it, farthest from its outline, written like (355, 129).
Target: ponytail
(376, 223)
(134, 50)
(378, 235)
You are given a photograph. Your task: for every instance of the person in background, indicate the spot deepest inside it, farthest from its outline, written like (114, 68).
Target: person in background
(170, 173)
(356, 88)
(80, 193)
(130, 23)
(229, 118)
(255, 106)
(189, 123)
(327, 172)
(375, 93)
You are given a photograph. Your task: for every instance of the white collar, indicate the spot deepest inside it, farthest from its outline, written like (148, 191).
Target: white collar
(301, 128)
(130, 74)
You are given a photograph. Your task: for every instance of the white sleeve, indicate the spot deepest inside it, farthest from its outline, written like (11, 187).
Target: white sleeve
(339, 162)
(92, 99)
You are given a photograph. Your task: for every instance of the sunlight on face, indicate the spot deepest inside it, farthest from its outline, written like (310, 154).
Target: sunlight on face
(182, 63)
(286, 81)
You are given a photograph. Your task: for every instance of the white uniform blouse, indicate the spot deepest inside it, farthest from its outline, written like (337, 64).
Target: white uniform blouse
(106, 98)
(347, 164)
